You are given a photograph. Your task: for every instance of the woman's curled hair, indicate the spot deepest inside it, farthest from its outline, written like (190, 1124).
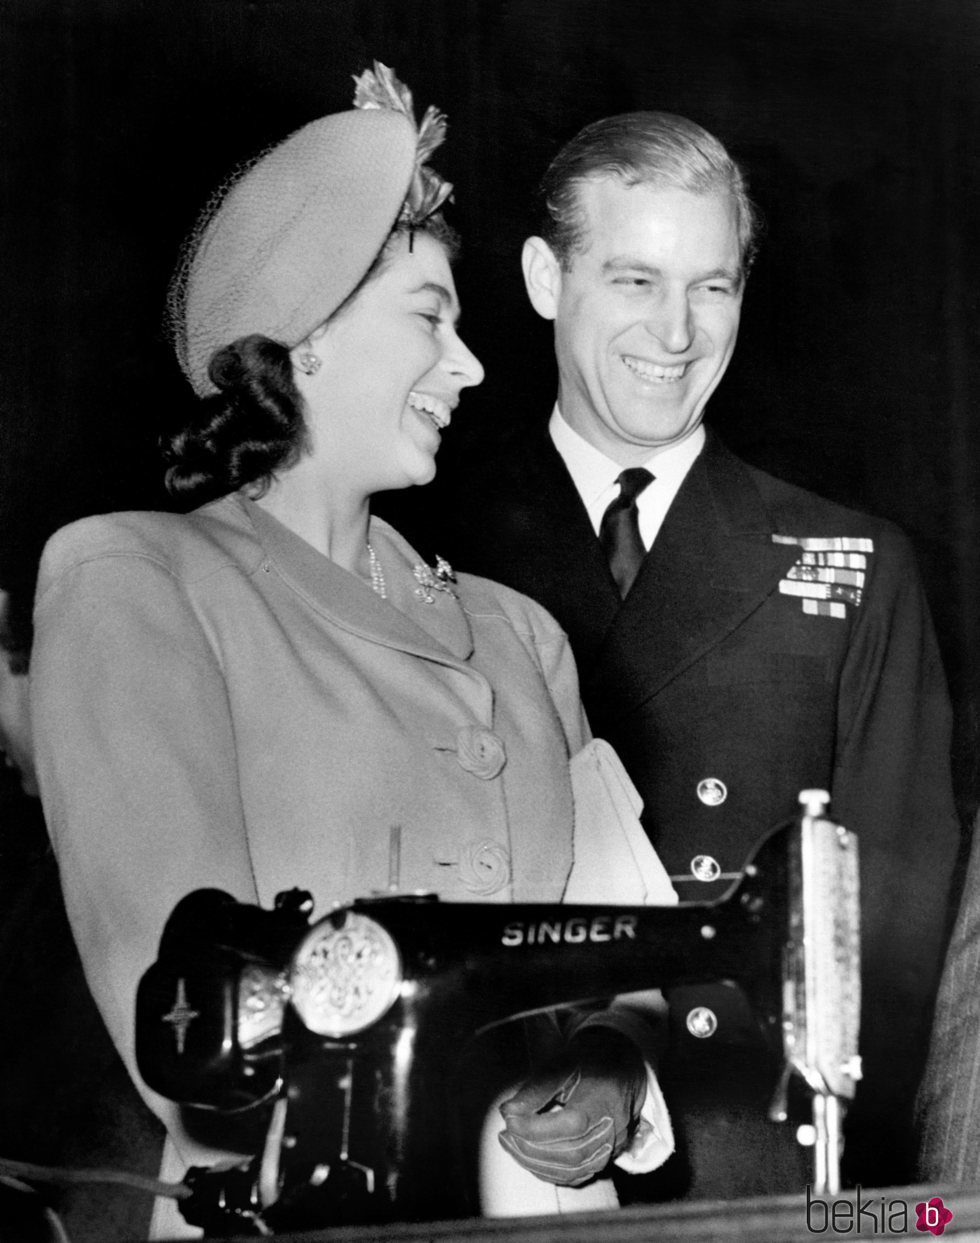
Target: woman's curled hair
(241, 435)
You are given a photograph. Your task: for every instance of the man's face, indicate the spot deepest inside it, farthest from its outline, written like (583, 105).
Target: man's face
(645, 317)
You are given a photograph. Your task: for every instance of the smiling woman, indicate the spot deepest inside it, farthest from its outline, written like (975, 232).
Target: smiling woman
(267, 691)
(392, 372)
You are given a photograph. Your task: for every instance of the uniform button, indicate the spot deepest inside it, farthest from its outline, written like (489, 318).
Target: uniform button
(712, 791)
(702, 1022)
(705, 867)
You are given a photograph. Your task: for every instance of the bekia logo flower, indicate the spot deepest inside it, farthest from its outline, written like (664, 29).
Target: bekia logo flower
(932, 1216)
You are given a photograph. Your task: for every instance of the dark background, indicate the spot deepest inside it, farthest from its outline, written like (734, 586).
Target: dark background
(857, 369)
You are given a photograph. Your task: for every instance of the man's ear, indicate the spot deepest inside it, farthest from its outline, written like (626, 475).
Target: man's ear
(542, 276)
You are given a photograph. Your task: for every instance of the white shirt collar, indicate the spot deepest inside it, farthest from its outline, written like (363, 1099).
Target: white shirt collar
(595, 475)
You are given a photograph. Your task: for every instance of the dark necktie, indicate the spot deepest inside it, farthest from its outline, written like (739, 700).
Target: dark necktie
(619, 533)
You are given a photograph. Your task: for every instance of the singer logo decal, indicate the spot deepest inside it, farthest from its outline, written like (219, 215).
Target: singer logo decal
(573, 931)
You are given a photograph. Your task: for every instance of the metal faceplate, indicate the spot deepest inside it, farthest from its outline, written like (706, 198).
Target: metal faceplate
(345, 975)
(262, 995)
(822, 978)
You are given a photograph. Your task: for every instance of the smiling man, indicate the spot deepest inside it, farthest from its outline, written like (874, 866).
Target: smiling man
(738, 639)
(645, 315)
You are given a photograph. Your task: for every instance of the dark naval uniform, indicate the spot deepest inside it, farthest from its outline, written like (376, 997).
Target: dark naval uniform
(773, 641)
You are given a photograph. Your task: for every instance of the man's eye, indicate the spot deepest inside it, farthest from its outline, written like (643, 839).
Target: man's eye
(432, 317)
(633, 282)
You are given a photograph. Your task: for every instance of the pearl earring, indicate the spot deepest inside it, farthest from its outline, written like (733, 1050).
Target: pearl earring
(308, 362)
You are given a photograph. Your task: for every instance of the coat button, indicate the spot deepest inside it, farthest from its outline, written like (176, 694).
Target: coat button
(480, 751)
(702, 1022)
(484, 867)
(705, 867)
(712, 791)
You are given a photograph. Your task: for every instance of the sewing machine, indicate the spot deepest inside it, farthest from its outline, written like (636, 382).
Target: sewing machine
(341, 1035)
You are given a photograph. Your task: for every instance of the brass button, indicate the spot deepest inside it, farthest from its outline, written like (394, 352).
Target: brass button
(705, 867)
(702, 1022)
(712, 791)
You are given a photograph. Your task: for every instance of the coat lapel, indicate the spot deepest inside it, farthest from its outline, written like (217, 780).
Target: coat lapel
(712, 565)
(436, 631)
(548, 549)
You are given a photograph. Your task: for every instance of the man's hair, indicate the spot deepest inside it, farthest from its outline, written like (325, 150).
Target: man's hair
(656, 149)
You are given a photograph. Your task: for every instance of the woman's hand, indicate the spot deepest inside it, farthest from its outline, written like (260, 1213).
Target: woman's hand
(580, 1111)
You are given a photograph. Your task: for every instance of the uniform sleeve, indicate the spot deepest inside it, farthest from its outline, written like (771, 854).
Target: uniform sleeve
(641, 1017)
(136, 764)
(893, 787)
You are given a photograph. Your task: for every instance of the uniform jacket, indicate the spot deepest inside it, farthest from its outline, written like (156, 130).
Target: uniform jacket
(218, 705)
(726, 693)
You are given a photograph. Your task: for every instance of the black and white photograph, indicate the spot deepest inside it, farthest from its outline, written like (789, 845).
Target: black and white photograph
(489, 619)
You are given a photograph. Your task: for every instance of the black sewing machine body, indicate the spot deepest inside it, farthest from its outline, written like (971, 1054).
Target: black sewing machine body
(352, 1039)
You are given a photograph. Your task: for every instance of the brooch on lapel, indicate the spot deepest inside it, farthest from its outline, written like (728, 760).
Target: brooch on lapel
(829, 574)
(430, 580)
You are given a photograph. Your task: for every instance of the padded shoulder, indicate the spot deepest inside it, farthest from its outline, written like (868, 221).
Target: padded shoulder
(795, 507)
(188, 546)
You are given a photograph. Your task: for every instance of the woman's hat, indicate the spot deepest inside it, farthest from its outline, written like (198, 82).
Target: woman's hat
(280, 250)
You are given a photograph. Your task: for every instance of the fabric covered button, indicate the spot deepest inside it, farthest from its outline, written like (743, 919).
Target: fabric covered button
(480, 752)
(484, 867)
(702, 1022)
(705, 867)
(712, 791)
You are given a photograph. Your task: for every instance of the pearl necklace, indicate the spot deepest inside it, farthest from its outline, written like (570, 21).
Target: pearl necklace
(378, 584)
